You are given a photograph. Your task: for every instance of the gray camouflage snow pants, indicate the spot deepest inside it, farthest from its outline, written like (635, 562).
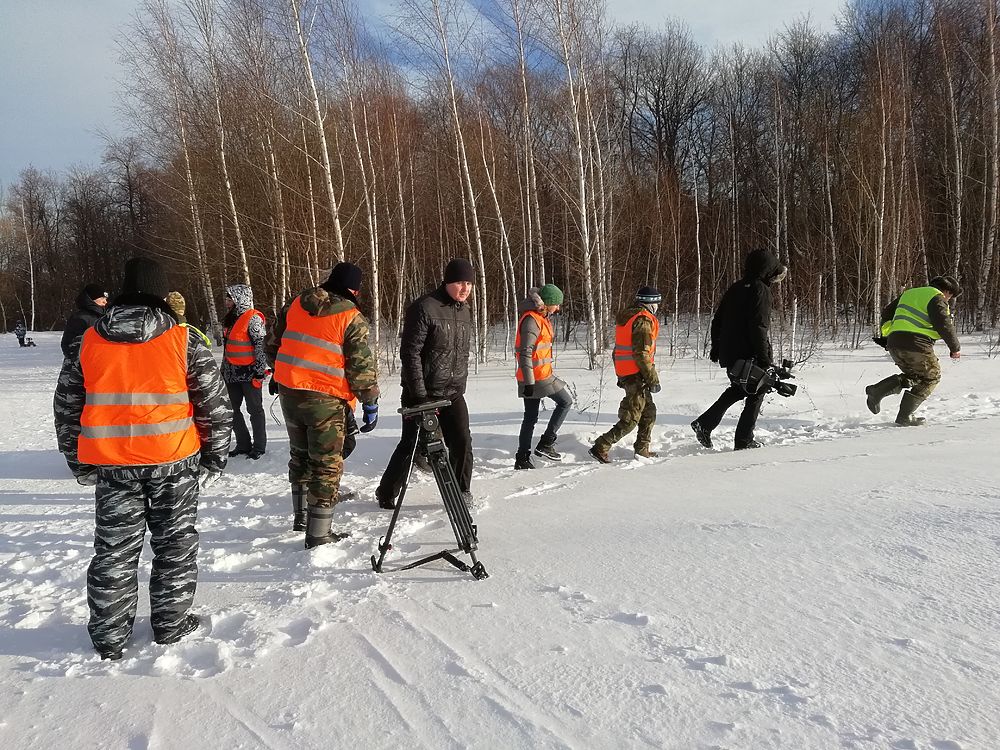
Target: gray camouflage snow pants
(125, 508)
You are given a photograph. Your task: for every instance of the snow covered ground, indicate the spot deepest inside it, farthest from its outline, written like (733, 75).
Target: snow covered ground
(838, 588)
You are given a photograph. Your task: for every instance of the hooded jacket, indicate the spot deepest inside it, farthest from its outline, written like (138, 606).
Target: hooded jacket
(359, 361)
(242, 297)
(742, 321)
(435, 347)
(213, 413)
(530, 332)
(86, 314)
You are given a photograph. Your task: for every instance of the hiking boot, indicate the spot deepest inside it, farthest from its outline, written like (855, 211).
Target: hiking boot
(254, 454)
(704, 436)
(110, 655)
(300, 505)
(747, 445)
(385, 500)
(318, 523)
(646, 453)
(522, 460)
(907, 406)
(600, 453)
(239, 452)
(546, 448)
(889, 386)
(188, 625)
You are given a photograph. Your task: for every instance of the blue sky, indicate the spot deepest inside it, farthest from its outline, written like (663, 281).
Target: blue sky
(59, 64)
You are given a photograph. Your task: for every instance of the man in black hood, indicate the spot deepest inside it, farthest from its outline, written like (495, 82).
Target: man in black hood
(143, 414)
(740, 332)
(90, 306)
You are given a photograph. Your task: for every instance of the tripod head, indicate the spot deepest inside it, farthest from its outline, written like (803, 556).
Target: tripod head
(426, 413)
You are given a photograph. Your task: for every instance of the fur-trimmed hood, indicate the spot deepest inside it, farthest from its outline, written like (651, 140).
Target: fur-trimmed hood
(533, 302)
(242, 297)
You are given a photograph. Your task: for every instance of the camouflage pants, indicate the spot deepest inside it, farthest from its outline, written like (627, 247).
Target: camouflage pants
(125, 508)
(637, 408)
(315, 424)
(922, 369)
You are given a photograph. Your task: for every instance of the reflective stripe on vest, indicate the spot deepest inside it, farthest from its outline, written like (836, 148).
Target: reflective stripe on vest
(239, 348)
(624, 356)
(311, 355)
(541, 354)
(912, 312)
(137, 411)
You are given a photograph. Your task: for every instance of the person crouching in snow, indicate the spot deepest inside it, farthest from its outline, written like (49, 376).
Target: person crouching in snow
(143, 414)
(535, 381)
(244, 367)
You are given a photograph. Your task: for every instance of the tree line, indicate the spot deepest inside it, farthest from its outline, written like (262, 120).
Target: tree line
(268, 139)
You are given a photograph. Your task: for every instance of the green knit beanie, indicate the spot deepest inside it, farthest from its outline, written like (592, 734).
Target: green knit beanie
(551, 294)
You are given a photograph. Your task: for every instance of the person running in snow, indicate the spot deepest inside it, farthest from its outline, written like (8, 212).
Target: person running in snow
(177, 304)
(914, 321)
(143, 414)
(535, 381)
(244, 367)
(90, 305)
(434, 366)
(635, 365)
(740, 332)
(322, 362)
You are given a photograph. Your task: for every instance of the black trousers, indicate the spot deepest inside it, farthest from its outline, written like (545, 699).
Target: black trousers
(748, 419)
(454, 422)
(253, 397)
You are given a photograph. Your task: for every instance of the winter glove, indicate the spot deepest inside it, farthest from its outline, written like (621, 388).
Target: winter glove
(529, 390)
(713, 355)
(88, 478)
(654, 388)
(257, 383)
(272, 386)
(369, 417)
(207, 477)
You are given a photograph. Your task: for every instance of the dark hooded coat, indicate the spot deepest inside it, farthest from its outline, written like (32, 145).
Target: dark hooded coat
(741, 323)
(86, 314)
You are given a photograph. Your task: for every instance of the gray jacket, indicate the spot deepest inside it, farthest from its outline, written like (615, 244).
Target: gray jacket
(530, 331)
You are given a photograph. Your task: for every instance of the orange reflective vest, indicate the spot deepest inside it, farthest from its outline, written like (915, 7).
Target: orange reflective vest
(239, 349)
(137, 411)
(311, 355)
(625, 362)
(541, 355)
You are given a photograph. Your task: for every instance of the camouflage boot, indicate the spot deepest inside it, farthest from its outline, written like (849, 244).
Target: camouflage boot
(907, 406)
(890, 386)
(300, 505)
(599, 451)
(318, 526)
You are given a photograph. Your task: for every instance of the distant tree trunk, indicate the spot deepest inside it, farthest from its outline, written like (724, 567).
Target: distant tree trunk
(31, 265)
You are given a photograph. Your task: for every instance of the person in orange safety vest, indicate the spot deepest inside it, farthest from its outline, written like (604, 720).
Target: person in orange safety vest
(143, 414)
(244, 367)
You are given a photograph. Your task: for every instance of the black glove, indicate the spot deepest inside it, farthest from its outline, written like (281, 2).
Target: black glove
(369, 417)
(713, 355)
(529, 390)
(272, 386)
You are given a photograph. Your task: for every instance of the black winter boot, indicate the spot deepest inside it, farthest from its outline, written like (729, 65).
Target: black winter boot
(299, 506)
(907, 406)
(704, 436)
(318, 523)
(546, 448)
(188, 625)
(747, 445)
(889, 386)
(522, 460)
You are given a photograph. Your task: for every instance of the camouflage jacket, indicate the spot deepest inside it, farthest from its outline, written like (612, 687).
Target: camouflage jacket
(359, 362)
(213, 413)
(242, 297)
(642, 343)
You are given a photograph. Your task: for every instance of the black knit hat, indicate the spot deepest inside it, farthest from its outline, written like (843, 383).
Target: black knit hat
(344, 276)
(947, 284)
(648, 295)
(145, 276)
(95, 291)
(459, 269)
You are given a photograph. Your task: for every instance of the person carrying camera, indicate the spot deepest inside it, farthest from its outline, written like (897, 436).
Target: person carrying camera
(635, 365)
(914, 321)
(322, 362)
(740, 332)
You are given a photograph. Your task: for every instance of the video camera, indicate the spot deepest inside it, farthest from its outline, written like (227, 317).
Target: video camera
(754, 379)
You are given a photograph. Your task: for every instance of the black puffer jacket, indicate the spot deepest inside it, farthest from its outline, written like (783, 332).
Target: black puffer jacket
(87, 313)
(437, 340)
(740, 326)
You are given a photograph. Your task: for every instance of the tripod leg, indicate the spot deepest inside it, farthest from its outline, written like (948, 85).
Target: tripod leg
(451, 495)
(385, 543)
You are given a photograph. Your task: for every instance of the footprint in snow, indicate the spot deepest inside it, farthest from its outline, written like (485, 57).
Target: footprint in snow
(298, 631)
(654, 689)
(702, 664)
(631, 618)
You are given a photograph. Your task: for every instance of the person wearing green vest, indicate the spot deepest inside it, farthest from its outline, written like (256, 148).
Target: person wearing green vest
(177, 305)
(912, 323)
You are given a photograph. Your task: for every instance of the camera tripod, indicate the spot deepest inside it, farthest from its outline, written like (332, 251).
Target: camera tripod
(430, 444)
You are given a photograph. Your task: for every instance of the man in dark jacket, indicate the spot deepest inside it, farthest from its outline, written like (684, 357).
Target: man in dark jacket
(740, 332)
(143, 413)
(434, 354)
(90, 304)
(914, 321)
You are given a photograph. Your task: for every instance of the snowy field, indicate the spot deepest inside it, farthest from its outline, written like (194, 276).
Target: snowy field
(838, 588)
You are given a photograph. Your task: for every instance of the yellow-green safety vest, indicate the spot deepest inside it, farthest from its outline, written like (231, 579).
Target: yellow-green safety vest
(201, 335)
(911, 312)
